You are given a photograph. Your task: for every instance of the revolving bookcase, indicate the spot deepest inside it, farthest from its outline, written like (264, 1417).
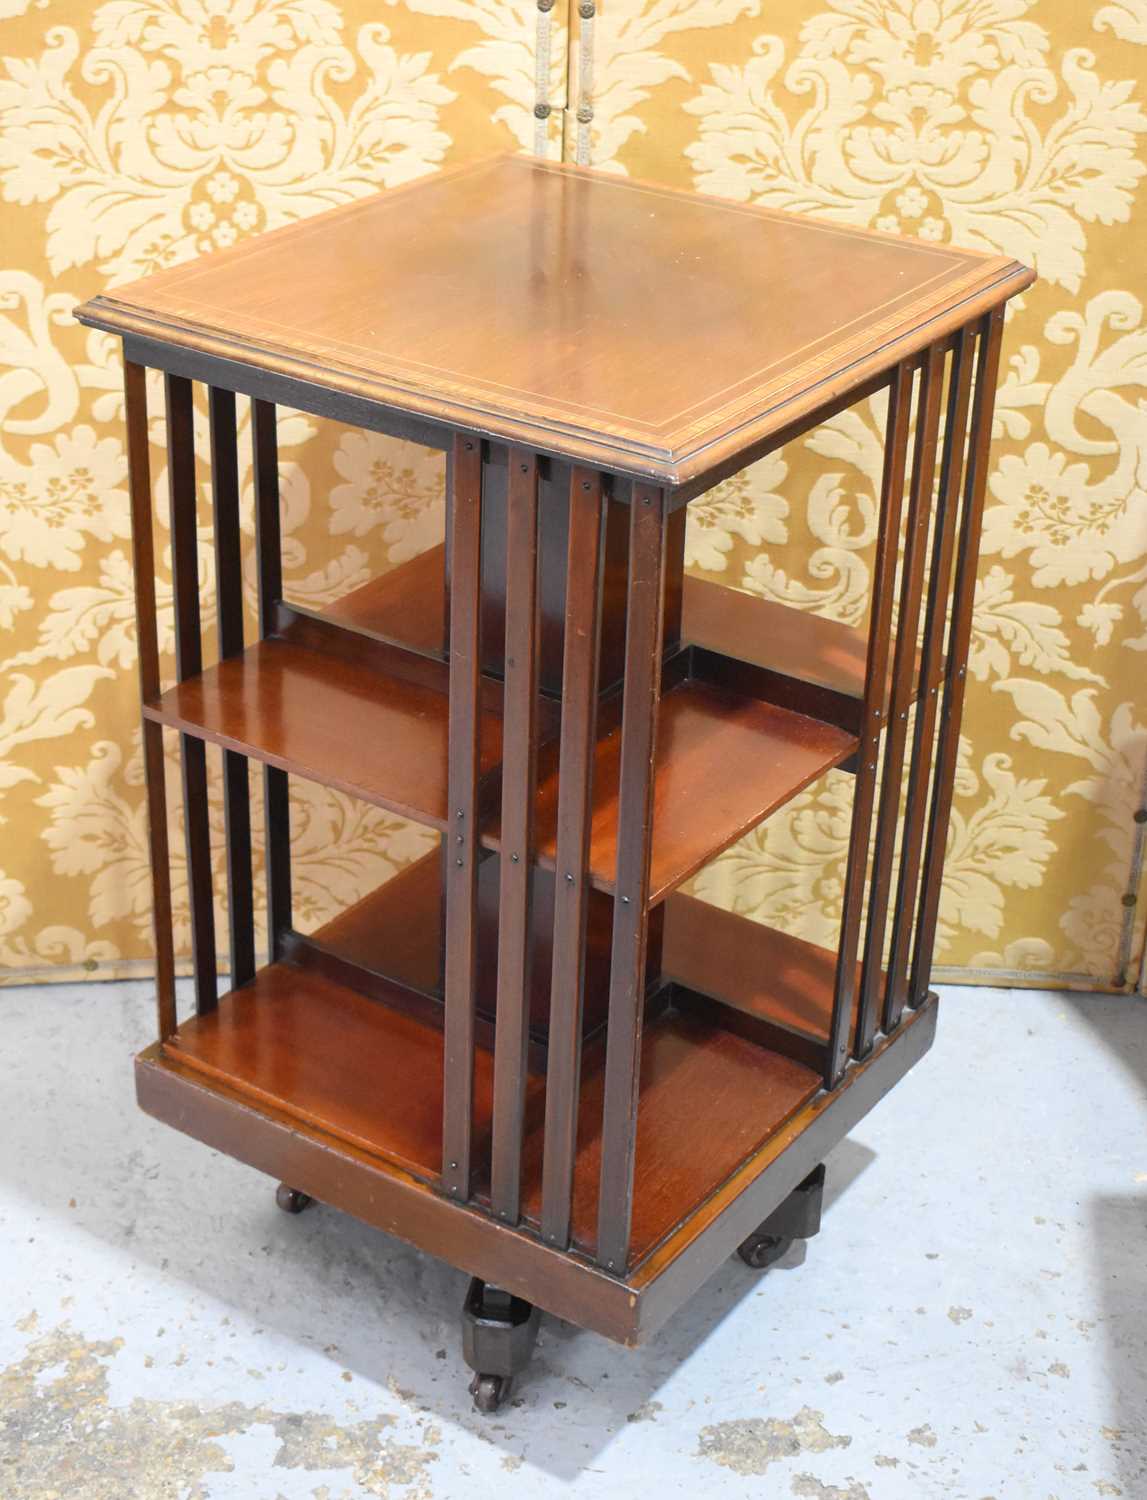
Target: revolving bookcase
(529, 1052)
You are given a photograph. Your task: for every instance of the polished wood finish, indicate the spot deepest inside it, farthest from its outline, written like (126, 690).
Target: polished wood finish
(725, 760)
(904, 662)
(572, 1287)
(381, 299)
(923, 733)
(395, 932)
(531, 1052)
(519, 780)
(407, 604)
(188, 663)
(269, 559)
(750, 966)
(582, 637)
(293, 708)
(327, 1056)
(633, 841)
(790, 642)
(876, 700)
(143, 569)
(959, 638)
(722, 763)
(685, 1069)
(682, 1263)
(229, 608)
(462, 849)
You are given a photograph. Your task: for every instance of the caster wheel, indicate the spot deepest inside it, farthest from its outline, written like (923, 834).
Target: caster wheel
(763, 1250)
(290, 1200)
(489, 1392)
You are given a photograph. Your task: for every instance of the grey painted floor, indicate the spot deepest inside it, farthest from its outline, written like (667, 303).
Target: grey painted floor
(971, 1322)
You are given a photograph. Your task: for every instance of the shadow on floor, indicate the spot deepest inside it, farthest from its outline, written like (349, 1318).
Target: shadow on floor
(375, 1307)
(1119, 1226)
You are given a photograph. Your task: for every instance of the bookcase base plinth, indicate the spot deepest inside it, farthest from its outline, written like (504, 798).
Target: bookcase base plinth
(628, 1310)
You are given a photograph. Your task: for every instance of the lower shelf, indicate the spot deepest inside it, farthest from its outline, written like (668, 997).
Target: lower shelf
(630, 1308)
(358, 1069)
(750, 967)
(371, 1076)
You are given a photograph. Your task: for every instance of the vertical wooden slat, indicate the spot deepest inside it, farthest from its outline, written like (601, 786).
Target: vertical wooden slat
(939, 581)
(581, 653)
(189, 663)
(269, 555)
(143, 568)
(641, 696)
(462, 836)
(519, 782)
(904, 662)
(229, 602)
(959, 637)
(875, 697)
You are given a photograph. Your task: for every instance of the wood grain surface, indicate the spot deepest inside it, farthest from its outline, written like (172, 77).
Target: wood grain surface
(602, 287)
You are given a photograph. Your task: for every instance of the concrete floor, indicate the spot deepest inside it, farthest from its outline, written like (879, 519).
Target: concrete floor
(971, 1322)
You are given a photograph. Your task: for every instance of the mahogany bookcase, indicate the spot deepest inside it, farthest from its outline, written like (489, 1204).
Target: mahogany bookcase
(530, 1053)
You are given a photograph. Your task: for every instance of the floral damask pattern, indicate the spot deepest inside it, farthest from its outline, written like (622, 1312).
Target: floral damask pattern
(1015, 125)
(137, 133)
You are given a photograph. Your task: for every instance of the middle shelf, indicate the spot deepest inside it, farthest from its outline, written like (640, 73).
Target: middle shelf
(363, 715)
(366, 1072)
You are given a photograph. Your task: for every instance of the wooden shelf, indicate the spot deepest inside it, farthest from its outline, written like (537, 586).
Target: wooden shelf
(396, 932)
(362, 1071)
(792, 642)
(734, 1096)
(339, 722)
(755, 969)
(407, 604)
(724, 762)
(371, 1077)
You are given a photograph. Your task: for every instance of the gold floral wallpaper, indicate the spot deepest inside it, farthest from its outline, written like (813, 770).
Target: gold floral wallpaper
(136, 133)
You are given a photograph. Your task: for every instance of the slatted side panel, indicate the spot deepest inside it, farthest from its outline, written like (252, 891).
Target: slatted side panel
(519, 786)
(641, 694)
(875, 687)
(143, 569)
(903, 672)
(927, 696)
(229, 597)
(276, 787)
(464, 483)
(188, 663)
(959, 636)
(575, 799)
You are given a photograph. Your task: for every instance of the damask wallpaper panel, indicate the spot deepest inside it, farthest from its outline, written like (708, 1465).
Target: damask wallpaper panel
(138, 133)
(1016, 125)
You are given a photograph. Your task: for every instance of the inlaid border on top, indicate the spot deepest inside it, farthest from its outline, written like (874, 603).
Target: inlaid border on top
(673, 451)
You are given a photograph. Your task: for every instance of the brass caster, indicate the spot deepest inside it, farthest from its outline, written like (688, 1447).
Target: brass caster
(763, 1250)
(489, 1392)
(499, 1331)
(797, 1218)
(290, 1200)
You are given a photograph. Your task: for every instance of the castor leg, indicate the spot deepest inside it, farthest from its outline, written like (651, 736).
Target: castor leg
(763, 1250)
(499, 1331)
(291, 1200)
(489, 1392)
(797, 1218)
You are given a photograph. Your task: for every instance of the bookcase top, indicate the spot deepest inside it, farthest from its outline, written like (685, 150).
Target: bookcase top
(631, 326)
